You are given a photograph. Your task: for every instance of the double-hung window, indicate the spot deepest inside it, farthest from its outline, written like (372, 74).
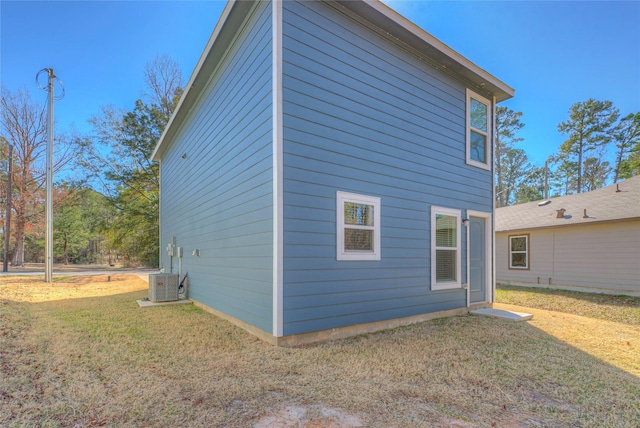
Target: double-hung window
(478, 131)
(358, 227)
(519, 252)
(445, 248)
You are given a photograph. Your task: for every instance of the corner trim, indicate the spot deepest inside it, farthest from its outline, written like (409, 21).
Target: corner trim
(278, 217)
(259, 333)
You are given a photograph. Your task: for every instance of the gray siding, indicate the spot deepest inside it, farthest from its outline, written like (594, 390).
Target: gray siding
(362, 116)
(219, 198)
(595, 257)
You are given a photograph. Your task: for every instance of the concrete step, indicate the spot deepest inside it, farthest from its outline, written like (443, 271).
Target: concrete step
(145, 303)
(501, 313)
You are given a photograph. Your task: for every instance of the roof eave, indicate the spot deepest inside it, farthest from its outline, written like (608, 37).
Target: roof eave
(207, 63)
(576, 223)
(402, 29)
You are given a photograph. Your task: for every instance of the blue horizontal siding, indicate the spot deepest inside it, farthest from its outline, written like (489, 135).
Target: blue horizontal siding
(218, 198)
(344, 315)
(362, 302)
(364, 116)
(357, 181)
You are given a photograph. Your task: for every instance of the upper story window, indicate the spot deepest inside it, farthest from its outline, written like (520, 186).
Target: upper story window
(519, 252)
(358, 227)
(445, 248)
(478, 131)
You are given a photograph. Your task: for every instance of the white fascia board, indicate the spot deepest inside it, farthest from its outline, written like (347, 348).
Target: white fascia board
(406, 31)
(187, 99)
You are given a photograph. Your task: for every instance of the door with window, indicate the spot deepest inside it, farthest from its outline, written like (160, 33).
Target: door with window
(479, 278)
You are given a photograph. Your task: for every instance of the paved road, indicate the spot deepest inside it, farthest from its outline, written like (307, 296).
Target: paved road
(142, 273)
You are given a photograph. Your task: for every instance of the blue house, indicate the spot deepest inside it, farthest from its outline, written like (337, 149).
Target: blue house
(328, 172)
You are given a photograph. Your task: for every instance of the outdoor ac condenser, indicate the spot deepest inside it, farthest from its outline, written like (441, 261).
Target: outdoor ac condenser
(163, 287)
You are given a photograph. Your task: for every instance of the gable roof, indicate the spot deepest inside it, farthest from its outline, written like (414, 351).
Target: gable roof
(617, 202)
(374, 14)
(390, 23)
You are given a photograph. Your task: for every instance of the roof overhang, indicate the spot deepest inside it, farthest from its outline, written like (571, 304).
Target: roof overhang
(522, 229)
(231, 18)
(374, 14)
(394, 25)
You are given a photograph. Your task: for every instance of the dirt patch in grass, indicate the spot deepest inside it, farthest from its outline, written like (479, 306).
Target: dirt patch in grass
(92, 359)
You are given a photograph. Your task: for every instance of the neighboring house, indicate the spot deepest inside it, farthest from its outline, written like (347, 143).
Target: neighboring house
(320, 168)
(586, 242)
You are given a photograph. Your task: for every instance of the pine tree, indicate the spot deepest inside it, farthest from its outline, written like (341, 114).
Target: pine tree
(588, 128)
(627, 137)
(509, 165)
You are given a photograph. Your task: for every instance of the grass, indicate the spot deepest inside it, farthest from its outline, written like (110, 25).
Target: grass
(623, 309)
(81, 353)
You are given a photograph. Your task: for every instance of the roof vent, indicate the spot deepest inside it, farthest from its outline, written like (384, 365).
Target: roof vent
(543, 203)
(618, 188)
(560, 213)
(585, 214)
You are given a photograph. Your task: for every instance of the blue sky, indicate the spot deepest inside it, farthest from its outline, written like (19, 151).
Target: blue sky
(553, 53)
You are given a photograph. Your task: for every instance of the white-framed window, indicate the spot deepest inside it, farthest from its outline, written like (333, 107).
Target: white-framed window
(445, 248)
(519, 251)
(479, 141)
(358, 227)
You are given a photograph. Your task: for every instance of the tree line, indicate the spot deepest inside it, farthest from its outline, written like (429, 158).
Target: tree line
(106, 206)
(593, 130)
(106, 203)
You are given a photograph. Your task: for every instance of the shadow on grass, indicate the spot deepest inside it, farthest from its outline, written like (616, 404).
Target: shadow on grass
(596, 298)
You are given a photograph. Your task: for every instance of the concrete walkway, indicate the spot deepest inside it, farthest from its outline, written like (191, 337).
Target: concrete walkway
(503, 314)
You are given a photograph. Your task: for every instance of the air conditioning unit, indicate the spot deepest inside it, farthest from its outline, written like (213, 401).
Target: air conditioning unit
(163, 287)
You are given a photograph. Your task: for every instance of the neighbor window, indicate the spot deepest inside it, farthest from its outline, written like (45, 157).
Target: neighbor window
(358, 227)
(478, 131)
(445, 248)
(519, 252)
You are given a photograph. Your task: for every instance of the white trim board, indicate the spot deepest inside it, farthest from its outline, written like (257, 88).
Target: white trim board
(458, 215)
(488, 134)
(278, 203)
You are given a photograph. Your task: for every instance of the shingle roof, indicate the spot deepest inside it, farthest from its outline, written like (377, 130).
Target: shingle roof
(604, 204)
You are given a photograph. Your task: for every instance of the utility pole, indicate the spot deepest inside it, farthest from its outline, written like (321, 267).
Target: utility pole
(48, 252)
(546, 180)
(48, 239)
(7, 218)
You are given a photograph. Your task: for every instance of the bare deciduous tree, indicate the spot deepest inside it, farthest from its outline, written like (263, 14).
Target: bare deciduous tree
(163, 79)
(23, 123)
(118, 155)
